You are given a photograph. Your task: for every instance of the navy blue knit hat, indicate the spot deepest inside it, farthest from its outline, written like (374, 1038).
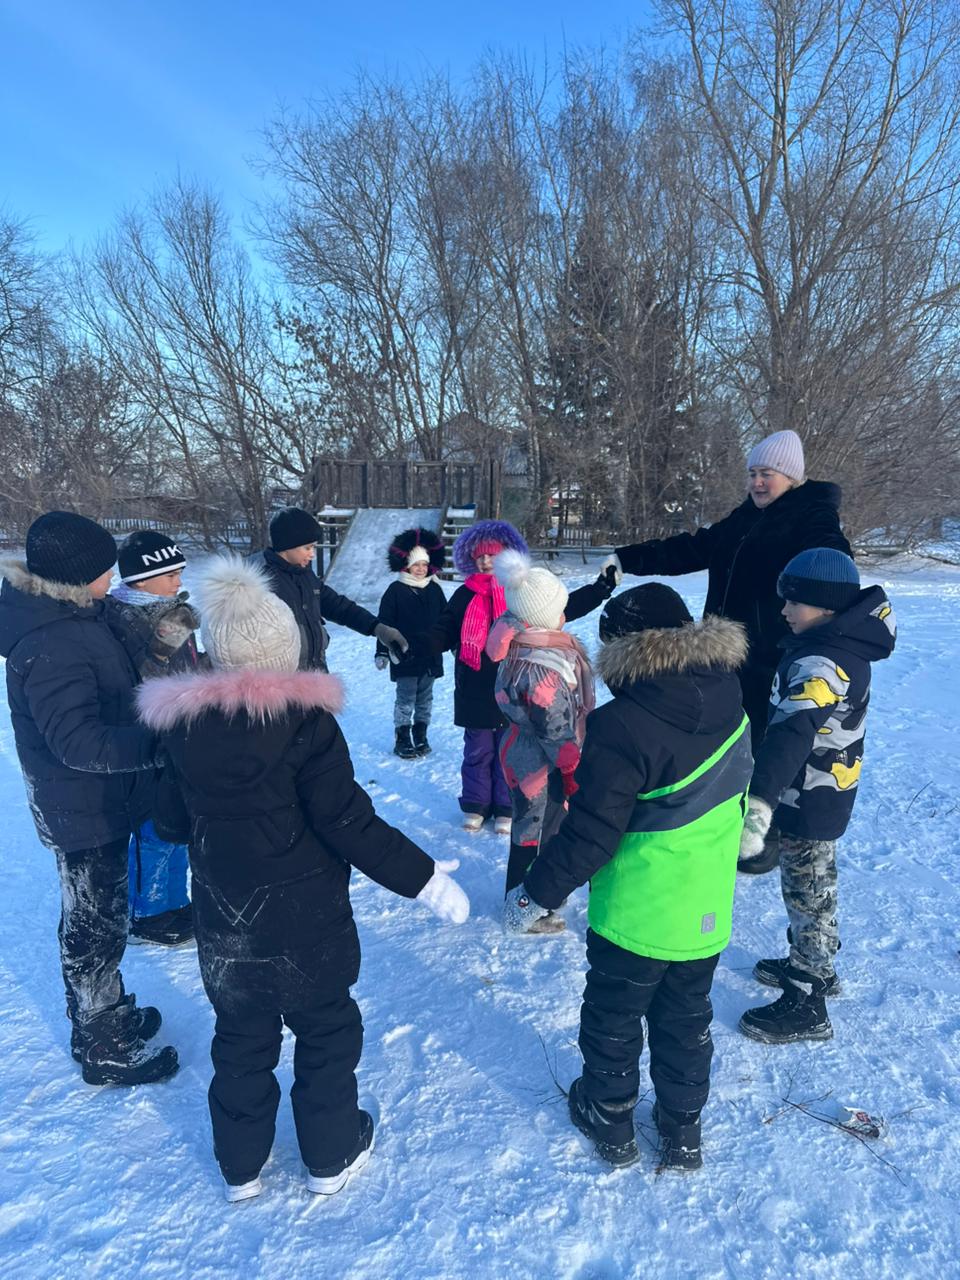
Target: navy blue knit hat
(822, 577)
(653, 606)
(65, 547)
(293, 527)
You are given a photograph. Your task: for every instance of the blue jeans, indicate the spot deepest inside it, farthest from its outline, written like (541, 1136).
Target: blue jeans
(414, 700)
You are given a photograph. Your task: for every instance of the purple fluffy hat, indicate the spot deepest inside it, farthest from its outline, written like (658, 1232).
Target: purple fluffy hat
(485, 531)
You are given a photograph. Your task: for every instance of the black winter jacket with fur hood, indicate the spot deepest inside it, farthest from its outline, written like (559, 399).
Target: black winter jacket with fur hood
(87, 763)
(261, 786)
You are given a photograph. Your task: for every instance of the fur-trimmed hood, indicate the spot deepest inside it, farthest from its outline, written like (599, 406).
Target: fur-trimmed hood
(170, 701)
(500, 531)
(19, 576)
(645, 655)
(28, 603)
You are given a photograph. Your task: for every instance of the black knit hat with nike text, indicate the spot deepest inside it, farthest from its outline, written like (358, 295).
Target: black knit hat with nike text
(148, 554)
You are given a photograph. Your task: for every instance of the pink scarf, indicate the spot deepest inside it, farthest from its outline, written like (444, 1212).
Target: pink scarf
(486, 606)
(539, 638)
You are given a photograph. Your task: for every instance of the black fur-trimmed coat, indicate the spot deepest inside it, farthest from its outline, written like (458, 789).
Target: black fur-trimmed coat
(260, 785)
(87, 764)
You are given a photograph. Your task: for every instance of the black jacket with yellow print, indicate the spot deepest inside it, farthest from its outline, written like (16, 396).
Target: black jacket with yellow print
(808, 766)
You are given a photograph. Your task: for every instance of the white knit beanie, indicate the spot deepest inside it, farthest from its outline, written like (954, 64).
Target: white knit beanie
(783, 452)
(535, 596)
(417, 556)
(243, 624)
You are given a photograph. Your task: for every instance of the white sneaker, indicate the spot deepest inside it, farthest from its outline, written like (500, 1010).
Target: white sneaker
(322, 1184)
(472, 822)
(502, 826)
(245, 1191)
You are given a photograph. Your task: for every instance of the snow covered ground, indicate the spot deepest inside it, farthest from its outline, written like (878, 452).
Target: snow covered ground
(477, 1171)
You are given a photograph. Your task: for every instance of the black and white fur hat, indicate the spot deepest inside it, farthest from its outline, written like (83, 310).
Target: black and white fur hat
(398, 556)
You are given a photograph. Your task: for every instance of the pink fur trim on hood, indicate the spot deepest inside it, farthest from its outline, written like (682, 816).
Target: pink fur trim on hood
(264, 695)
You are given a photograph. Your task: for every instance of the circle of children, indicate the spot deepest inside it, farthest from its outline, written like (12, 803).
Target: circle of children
(730, 743)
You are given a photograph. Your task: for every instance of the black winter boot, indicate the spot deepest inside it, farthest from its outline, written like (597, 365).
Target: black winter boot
(114, 1052)
(799, 1014)
(148, 1016)
(772, 973)
(610, 1131)
(167, 929)
(420, 738)
(404, 747)
(679, 1139)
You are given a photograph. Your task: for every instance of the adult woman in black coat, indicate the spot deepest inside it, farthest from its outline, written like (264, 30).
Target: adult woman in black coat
(744, 553)
(261, 785)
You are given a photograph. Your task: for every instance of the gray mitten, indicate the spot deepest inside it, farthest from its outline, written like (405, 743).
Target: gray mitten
(381, 662)
(173, 629)
(394, 641)
(520, 911)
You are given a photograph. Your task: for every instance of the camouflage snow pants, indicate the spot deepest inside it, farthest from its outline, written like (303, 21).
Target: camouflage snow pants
(808, 881)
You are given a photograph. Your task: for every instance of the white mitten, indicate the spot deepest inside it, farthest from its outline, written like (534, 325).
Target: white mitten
(755, 827)
(443, 895)
(381, 662)
(613, 562)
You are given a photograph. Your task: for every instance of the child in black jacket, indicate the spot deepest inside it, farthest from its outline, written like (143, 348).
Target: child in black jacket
(413, 604)
(806, 773)
(260, 783)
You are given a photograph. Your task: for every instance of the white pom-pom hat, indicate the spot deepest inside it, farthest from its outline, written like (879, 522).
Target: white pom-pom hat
(243, 624)
(535, 596)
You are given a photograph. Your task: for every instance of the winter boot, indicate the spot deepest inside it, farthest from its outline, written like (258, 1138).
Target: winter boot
(679, 1139)
(420, 738)
(799, 1014)
(148, 1016)
(114, 1052)
(328, 1181)
(404, 747)
(609, 1129)
(168, 929)
(772, 973)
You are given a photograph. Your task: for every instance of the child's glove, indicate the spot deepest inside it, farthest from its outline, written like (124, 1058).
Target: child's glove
(755, 827)
(381, 662)
(520, 911)
(443, 895)
(569, 784)
(173, 629)
(394, 641)
(613, 562)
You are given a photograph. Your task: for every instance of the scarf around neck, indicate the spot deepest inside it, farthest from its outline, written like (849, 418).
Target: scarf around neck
(130, 594)
(532, 645)
(483, 610)
(409, 580)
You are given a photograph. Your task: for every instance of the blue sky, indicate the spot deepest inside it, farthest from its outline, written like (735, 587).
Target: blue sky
(100, 102)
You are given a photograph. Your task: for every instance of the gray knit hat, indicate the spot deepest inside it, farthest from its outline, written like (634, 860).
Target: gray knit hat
(783, 452)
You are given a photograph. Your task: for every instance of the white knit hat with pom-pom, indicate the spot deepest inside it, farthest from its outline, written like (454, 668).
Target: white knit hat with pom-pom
(535, 596)
(243, 624)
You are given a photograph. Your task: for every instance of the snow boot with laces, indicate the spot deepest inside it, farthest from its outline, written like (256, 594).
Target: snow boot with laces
(114, 1052)
(679, 1140)
(149, 1020)
(609, 1129)
(799, 1014)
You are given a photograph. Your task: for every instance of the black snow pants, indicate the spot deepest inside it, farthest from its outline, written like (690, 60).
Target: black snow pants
(93, 927)
(244, 1093)
(674, 996)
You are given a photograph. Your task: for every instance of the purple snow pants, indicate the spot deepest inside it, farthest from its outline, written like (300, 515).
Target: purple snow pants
(483, 787)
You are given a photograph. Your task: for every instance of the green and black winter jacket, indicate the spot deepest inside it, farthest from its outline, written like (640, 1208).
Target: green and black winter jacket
(655, 823)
